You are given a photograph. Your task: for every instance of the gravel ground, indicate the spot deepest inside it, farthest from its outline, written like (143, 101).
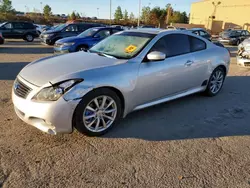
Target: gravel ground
(192, 142)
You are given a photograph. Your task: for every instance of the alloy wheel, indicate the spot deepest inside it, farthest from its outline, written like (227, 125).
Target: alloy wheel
(100, 113)
(216, 81)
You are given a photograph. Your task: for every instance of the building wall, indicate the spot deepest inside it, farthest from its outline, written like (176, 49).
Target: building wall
(229, 14)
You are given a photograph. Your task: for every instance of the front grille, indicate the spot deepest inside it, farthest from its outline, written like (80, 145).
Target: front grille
(21, 90)
(247, 64)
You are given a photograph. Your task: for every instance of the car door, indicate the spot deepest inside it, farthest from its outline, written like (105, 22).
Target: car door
(175, 74)
(7, 30)
(71, 30)
(18, 30)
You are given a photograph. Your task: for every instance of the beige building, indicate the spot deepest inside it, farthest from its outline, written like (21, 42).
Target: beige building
(217, 15)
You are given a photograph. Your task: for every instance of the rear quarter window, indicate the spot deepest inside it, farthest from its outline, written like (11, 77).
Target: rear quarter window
(197, 44)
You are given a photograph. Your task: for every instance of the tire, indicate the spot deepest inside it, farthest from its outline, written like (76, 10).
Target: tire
(29, 37)
(238, 43)
(86, 115)
(210, 91)
(82, 48)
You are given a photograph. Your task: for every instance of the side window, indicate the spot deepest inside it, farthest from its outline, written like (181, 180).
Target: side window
(247, 33)
(18, 26)
(203, 33)
(173, 45)
(196, 33)
(71, 28)
(8, 26)
(103, 34)
(197, 44)
(243, 33)
(83, 27)
(28, 26)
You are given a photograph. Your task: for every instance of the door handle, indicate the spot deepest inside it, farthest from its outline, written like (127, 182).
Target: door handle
(189, 63)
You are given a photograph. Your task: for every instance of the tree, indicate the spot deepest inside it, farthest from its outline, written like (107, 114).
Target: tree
(125, 15)
(179, 17)
(6, 6)
(73, 16)
(47, 11)
(78, 16)
(132, 16)
(118, 13)
(158, 16)
(145, 15)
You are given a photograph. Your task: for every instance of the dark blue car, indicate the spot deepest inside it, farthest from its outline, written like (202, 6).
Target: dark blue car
(84, 41)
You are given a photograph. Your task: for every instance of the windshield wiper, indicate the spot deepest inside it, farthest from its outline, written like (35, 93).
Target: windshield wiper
(106, 55)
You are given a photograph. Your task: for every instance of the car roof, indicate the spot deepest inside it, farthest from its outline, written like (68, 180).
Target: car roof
(194, 29)
(147, 30)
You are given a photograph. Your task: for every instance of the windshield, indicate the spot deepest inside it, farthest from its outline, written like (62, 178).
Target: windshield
(59, 27)
(88, 33)
(1, 24)
(124, 45)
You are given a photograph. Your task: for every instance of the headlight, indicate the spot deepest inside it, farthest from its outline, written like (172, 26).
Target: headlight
(68, 44)
(54, 92)
(48, 35)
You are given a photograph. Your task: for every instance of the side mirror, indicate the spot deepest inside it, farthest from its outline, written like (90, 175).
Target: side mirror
(156, 56)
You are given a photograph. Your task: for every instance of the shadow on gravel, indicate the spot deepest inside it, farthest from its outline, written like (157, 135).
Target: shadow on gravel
(9, 71)
(26, 50)
(196, 116)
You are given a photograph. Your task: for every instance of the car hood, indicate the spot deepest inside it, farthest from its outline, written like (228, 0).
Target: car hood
(71, 39)
(57, 68)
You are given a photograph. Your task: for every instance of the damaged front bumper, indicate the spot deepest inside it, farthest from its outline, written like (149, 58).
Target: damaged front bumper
(243, 57)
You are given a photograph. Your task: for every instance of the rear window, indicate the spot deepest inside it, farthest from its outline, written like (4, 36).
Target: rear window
(196, 44)
(28, 26)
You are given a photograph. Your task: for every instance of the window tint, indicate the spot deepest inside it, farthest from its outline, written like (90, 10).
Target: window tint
(8, 26)
(83, 27)
(197, 44)
(71, 28)
(103, 34)
(28, 26)
(173, 45)
(18, 26)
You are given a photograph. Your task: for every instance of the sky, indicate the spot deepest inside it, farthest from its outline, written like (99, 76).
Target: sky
(94, 7)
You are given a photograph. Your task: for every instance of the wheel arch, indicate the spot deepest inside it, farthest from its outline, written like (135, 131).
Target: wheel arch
(80, 45)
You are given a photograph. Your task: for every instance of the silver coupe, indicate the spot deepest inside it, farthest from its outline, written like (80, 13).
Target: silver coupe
(131, 70)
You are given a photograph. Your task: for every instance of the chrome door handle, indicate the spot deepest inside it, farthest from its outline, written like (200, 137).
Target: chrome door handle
(189, 63)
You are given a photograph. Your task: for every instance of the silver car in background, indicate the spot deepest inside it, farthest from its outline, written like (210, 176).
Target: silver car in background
(128, 71)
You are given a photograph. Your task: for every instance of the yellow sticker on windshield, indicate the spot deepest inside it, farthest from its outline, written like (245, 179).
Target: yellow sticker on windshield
(130, 49)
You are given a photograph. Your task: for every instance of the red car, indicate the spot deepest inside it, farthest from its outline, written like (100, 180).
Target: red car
(1, 39)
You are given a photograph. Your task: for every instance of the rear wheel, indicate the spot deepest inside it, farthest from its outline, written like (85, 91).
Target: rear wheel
(98, 112)
(29, 38)
(215, 82)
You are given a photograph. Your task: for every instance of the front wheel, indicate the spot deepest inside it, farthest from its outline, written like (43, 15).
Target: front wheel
(29, 38)
(98, 112)
(216, 82)
(82, 48)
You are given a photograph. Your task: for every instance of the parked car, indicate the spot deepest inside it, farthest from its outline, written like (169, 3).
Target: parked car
(85, 40)
(243, 57)
(147, 26)
(201, 32)
(233, 37)
(40, 28)
(127, 71)
(19, 30)
(1, 39)
(181, 28)
(65, 30)
(170, 28)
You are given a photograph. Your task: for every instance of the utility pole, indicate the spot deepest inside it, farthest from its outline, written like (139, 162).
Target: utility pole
(139, 13)
(97, 12)
(41, 3)
(110, 14)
